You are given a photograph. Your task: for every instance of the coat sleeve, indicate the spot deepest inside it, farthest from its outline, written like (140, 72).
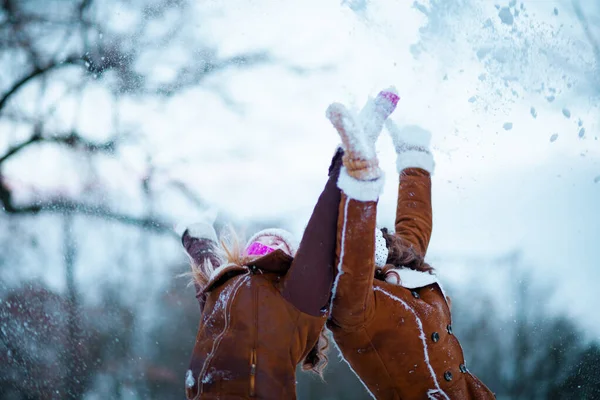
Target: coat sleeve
(352, 294)
(413, 212)
(307, 284)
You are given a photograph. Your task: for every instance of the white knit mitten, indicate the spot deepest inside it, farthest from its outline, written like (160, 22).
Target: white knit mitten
(201, 229)
(412, 145)
(376, 111)
(360, 132)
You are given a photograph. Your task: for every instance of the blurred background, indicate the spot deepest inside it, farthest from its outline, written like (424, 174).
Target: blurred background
(119, 119)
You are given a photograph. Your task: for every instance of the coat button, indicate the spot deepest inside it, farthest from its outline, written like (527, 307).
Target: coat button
(449, 329)
(435, 337)
(448, 376)
(463, 368)
(415, 294)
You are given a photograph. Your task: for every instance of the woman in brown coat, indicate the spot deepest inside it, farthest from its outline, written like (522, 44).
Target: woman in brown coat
(390, 316)
(264, 307)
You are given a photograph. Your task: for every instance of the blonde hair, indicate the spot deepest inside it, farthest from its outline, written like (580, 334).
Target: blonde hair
(229, 252)
(233, 248)
(316, 360)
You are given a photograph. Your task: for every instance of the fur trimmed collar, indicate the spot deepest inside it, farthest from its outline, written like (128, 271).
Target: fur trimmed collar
(411, 279)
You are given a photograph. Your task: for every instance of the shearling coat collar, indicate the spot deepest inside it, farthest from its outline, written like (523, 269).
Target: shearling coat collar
(411, 279)
(276, 262)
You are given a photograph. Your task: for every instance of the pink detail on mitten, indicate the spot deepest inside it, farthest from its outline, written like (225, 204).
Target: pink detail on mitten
(258, 249)
(386, 102)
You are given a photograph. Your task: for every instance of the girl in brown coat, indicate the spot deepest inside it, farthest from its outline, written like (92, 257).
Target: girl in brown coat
(390, 316)
(265, 307)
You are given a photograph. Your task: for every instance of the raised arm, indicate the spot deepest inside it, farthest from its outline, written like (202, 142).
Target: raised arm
(200, 243)
(309, 281)
(352, 293)
(307, 284)
(415, 165)
(361, 182)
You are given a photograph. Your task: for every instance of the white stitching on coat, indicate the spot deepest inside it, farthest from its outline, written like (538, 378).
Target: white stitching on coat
(423, 339)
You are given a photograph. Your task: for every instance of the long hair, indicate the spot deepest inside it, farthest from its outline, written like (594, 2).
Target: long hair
(316, 360)
(233, 249)
(231, 252)
(202, 270)
(400, 255)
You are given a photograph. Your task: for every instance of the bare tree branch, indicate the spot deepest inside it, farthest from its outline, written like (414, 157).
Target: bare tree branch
(193, 75)
(85, 4)
(71, 207)
(15, 149)
(189, 194)
(62, 206)
(75, 140)
(71, 60)
(71, 139)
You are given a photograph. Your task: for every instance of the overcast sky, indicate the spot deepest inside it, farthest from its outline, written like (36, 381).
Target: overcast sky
(505, 101)
(505, 93)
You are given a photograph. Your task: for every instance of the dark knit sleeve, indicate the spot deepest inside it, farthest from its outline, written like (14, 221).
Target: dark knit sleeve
(307, 284)
(200, 250)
